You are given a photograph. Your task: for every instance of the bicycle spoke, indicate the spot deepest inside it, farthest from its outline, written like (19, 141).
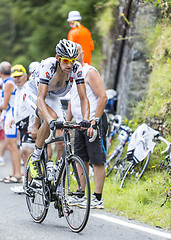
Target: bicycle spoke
(35, 197)
(76, 194)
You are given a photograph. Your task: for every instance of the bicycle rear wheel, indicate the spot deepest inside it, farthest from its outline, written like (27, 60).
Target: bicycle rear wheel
(35, 195)
(141, 166)
(133, 171)
(75, 199)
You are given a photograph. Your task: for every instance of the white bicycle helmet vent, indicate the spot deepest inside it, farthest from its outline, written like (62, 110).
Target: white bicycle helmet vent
(66, 48)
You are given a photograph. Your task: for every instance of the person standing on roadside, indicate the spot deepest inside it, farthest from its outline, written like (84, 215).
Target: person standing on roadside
(8, 95)
(33, 66)
(22, 118)
(80, 34)
(2, 133)
(90, 150)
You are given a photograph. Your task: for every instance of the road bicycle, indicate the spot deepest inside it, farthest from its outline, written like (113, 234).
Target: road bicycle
(123, 132)
(66, 185)
(166, 163)
(113, 162)
(132, 170)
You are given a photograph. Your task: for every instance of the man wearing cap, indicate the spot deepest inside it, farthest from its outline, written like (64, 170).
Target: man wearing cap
(80, 34)
(8, 95)
(22, 117)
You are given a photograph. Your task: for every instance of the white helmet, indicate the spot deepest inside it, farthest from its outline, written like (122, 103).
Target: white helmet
(33, 66)
(67, 48)
(74, 16)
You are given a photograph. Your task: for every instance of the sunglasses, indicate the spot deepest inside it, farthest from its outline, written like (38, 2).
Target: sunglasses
(66, 60)
(17, 70)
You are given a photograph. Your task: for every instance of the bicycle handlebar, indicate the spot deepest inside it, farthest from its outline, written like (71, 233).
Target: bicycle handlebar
(65, 127)
(166, 142)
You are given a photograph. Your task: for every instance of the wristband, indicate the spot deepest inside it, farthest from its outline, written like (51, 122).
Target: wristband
(97, 120)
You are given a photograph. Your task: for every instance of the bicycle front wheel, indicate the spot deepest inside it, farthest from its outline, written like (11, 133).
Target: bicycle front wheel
(75, 194)
(35, 197)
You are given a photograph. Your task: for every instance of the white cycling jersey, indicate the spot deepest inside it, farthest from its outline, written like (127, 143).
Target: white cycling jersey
(45, 74)
(75, 100)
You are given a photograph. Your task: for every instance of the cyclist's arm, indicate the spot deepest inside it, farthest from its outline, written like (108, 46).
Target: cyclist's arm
(95, 82)
(44, 111)
(9, 88)
(85, 106)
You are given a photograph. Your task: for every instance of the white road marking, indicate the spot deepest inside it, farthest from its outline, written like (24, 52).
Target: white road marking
(132, 225)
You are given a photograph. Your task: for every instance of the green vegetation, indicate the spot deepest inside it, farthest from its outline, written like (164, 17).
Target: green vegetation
(142, 201)
(30, 30)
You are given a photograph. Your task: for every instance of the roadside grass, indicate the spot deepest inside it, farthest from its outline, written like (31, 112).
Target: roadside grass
(142, 200)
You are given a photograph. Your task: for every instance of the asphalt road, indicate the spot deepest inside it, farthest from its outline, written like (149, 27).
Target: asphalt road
(16, 223)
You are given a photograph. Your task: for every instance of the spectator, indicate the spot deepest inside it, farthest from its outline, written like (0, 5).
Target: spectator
(22, 118)
(8, 95)
(80, 34)
(33, 66)
(2, 133)
(93, 151)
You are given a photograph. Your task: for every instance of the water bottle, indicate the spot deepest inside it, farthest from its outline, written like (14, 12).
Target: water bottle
(50, 171)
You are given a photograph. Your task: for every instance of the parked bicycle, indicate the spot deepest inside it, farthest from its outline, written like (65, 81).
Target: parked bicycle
(166, 163)
(124, 133)
(133, 166)
(40, 193)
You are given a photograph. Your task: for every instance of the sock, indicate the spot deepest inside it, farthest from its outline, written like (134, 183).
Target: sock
(37, 153)
(79, 195)
(98, 196)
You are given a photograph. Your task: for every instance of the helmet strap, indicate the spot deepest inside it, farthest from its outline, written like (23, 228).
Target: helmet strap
(58, 62)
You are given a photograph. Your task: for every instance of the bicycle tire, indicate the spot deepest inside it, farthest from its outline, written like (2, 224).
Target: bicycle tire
(120, 169)
(75, 215)
(35, 195)
(142, 166)
(134, 172)
(114, 157)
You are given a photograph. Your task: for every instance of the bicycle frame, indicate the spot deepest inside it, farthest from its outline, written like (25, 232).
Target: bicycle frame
(67, 174)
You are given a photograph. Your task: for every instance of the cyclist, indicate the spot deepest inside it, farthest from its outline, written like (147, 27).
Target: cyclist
(54, 79)
(93, 151)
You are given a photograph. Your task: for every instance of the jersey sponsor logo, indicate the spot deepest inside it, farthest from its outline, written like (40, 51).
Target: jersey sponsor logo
(24, 96)
(47, 75)
(79, 74)
(71, 79)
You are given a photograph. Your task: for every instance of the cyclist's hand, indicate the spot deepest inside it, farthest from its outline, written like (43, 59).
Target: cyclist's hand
(54, 124)
(84, 124)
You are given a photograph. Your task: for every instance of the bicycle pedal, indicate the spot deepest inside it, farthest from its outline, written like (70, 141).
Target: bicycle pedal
(54, 197)
(58, 206)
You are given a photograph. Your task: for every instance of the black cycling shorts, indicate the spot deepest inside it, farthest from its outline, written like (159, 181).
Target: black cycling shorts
(92, 152)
